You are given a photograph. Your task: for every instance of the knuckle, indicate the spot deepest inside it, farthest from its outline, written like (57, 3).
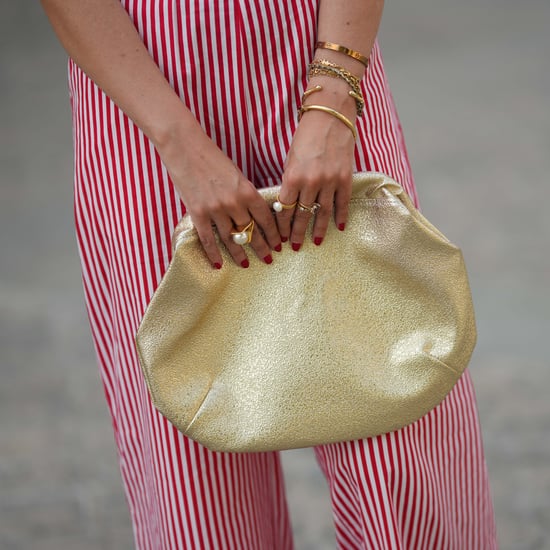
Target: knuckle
(291, 183)
(310, 183)
(215, 208)
(344, 188)
(261, 213)
(235, 210)
(345, 174)
(208, 242)
(250, 194)
(337, 178)
(199, 214)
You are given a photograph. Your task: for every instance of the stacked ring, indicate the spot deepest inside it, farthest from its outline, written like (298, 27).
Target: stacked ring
(243, 236)
(279, 206)
(312, 209)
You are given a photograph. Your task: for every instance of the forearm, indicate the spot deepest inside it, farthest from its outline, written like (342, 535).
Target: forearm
(350, 23)
(101, 38)
(353, 24)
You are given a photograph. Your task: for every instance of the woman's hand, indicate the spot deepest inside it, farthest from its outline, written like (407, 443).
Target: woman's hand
(319, 166)
(102, 39)
(217, 195)
(320, 161)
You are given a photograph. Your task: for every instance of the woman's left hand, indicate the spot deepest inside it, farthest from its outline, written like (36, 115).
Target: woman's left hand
(319, 167)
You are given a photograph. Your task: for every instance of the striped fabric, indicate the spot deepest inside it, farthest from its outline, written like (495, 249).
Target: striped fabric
(240, 67)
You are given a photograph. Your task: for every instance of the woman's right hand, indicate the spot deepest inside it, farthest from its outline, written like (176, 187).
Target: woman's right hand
(218, 196)
(101, 38)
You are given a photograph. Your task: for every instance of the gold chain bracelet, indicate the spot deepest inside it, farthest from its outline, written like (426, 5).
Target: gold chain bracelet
(341, 72)
(326, 68)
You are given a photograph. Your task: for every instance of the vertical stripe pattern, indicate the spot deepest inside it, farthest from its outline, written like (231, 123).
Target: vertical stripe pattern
(233, 65)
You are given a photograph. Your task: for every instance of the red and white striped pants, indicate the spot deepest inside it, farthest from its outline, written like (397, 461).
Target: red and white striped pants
(240, 66)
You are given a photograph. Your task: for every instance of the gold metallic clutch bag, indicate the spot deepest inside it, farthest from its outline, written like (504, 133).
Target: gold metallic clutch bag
(360, 336)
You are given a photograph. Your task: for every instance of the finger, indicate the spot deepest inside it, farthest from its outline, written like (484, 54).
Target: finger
(301, 220)
(265, 221)
(284, 218)
(258, 243)
(208, 240)
(264, 231)
(225, 228)
(260, 246)
(341, 205)
(323, 215)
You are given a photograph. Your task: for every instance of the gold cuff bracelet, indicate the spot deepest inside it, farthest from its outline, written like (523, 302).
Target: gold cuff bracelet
(342, 49)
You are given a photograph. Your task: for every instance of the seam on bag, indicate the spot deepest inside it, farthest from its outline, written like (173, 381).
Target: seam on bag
(199, 408)
(442, 363)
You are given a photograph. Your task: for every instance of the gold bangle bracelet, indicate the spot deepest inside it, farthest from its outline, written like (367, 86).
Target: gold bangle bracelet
(342, 118)
(307, 93)
(342, 49)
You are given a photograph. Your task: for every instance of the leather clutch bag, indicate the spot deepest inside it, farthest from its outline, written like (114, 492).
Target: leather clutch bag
(357, 337)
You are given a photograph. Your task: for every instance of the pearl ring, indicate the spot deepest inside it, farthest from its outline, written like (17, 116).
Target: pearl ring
(243, 236)
(279, 206)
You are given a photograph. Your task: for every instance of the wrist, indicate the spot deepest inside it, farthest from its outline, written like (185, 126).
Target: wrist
(175, 133)
(334, 94)
(352, 65)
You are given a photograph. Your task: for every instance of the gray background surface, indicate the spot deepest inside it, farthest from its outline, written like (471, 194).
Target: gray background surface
(472, 86)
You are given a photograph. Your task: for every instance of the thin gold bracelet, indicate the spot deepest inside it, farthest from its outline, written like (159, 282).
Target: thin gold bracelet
(342, 118)
(342, 49)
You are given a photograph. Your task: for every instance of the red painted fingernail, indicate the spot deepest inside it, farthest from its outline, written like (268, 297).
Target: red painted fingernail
(318, 240)
(245, 263)
(296, 246)
(284, 239)
(217, 265)
(278, 248)
(268, 259)
(341, 226)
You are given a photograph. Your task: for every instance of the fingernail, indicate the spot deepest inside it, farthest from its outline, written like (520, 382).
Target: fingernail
(245, 263)
(217, 265)
(341, 226)
(318, 240)
(278, 248)
(268, 259)
(296, 246)
(284, 239)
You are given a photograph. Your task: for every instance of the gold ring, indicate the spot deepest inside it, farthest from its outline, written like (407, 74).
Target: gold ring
(312, 209)
(279, 206)
(244, 235)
